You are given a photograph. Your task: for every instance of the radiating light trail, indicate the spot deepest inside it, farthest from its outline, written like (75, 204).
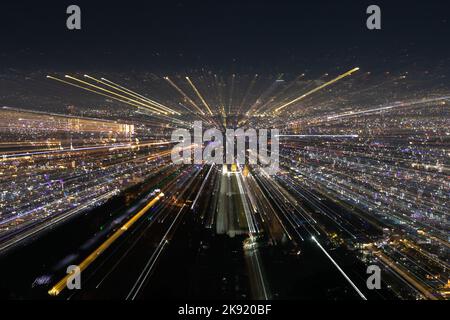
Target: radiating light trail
(117, 87)
(184, 95)
(247, 92)
(105, 245)
(202, 187)
(199, 95)
(145, 105)
(340, 269)
(326, 84)
(103, 94)
(157, 112)
(397, 105)
(319, 135)
(153, 259)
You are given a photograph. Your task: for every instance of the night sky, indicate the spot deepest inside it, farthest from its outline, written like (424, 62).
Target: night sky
(273, 36)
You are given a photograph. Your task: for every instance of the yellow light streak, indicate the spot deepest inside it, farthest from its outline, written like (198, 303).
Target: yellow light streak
(120, 88)
(184, 95)
(116, 94)
(199, 95)
(61, 285)
(102, 94)
(326, 84)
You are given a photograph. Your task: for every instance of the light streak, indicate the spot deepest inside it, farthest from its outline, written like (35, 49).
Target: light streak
(145, 105)
(184, 95)
(103, 94)
(153, 259)
(199, 95)
(201, 187)
(56, 290)
(120, 88)
(318, 135)
(405, 104)
(340, 269)
(326, 84)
